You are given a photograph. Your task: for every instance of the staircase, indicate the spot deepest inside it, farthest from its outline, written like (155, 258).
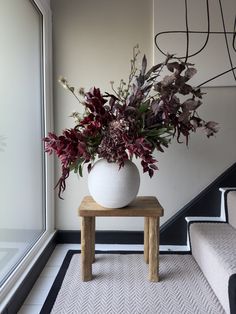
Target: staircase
(213, 245)
(206, 205)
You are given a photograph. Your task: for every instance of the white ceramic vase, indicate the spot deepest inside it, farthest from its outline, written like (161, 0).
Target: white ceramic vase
(112, 187)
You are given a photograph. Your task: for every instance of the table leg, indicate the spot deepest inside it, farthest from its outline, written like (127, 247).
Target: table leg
(146, 239)
(153, 249)
(93, 239)
(86, 262)
(158, 243)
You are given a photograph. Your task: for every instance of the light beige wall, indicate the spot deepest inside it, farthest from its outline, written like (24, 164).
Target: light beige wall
(92, 44)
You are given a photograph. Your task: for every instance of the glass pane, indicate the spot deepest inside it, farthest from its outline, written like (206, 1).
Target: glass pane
(22, 206)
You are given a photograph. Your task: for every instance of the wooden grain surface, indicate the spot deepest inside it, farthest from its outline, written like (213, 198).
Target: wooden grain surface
(146, 240)
(142, 206)
(153, 250)
(86, 249)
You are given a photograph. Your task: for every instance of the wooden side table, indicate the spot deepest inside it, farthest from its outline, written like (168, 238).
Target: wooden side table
(143, 206)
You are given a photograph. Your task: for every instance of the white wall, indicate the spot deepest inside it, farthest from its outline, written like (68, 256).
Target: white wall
(93, 43)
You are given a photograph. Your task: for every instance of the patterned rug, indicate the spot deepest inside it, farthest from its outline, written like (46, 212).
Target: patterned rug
(120, 286)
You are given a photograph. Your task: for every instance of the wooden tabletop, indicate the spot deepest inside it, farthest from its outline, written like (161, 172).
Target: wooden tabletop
(142, 206)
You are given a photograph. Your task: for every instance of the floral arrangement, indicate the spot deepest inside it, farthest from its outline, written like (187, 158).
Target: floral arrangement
(139, 116)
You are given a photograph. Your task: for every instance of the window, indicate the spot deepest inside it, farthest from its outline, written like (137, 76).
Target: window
(25, 205)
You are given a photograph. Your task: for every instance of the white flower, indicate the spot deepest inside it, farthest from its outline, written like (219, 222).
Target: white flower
(63, 82)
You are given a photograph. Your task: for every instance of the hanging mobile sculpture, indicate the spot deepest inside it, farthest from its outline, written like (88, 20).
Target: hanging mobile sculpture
(208, 32)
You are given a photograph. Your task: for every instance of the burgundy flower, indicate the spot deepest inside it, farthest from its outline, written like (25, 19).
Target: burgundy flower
(69, 147)
(94, 101)
(143, 150)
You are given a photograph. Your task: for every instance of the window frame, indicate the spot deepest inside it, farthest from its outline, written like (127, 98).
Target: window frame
(17, 276)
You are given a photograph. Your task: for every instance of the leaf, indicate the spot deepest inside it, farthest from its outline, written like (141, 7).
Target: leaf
(191, 104)
(130, 113)
(171, 66)
(195, 122)
(146, 86)
(168, 80)
(144, 65)
(75, 166)
(189, 73)
(154, 167)
(152, 70)
(185, 89)
(211, 128)
(156, 132)
(184, 116)
(165, 142)
(157, 105)
(179, 67)
(150, 172)
(80, 170)
(89, 167)
(198, 93)
(143, 107)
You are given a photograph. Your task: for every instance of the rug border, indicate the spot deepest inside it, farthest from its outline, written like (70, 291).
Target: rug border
(57, 283)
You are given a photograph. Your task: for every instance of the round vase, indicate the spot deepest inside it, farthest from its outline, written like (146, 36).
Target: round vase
(112, 186)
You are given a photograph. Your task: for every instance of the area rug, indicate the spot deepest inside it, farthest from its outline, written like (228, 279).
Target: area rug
(120, 286)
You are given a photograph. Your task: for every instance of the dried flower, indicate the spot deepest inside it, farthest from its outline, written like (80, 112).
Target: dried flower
(142, 115)
(63, 82)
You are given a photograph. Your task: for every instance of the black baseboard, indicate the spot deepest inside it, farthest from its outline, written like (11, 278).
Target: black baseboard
(22, 292)
(102, 237)
(110, 237)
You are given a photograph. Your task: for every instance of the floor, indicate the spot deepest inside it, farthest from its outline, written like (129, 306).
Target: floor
(38, 294)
